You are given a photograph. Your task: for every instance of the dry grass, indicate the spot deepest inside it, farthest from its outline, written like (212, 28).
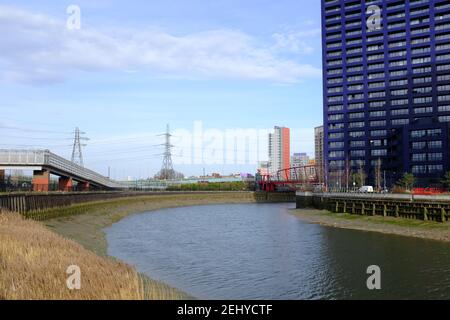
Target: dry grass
(34, 260)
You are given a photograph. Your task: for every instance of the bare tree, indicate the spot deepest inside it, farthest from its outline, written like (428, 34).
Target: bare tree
(362, 175)
(347, 173)
(378, 178)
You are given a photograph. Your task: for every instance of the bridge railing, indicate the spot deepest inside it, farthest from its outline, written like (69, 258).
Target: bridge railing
(22, 157)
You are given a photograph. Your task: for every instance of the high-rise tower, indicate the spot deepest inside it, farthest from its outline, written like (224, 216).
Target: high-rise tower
(386, 92)
(279, 150)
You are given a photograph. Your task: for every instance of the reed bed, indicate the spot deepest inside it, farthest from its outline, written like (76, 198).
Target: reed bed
(34, 261)
(35, 250)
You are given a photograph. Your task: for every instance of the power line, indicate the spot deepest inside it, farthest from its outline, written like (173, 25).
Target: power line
(34, 138)
(35, 145)
(123, 140)
(3, 127)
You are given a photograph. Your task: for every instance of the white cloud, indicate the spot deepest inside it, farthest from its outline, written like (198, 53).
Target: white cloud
(294, 41)
(39, 49)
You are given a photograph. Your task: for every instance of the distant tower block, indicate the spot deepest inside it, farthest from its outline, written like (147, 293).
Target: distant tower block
(280, 151)
(77, 154)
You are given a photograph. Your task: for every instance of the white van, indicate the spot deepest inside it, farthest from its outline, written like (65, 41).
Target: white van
(366, 189)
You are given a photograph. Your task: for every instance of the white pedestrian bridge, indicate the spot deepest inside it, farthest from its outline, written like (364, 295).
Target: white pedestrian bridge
(43, 163)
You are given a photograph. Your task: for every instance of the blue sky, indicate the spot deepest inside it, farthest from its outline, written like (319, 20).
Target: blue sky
(135, 66)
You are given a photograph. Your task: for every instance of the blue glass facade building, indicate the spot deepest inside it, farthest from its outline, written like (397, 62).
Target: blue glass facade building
(386, 73)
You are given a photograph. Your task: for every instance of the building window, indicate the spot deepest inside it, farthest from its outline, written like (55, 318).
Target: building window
(357, 143)
(435, 168)
(336, 108)
(399, 122)
(434, 144)
(336, 154)
(398, 112)
(377, 104)
(434, 132)
(356, 115)
(359, 124)
(378, 133)
(399, 102)
(378, 152)
(419, 157)
(356, 134)
(378, 123)
(337, 144)
(435, 156)
(444, 119)
(421, 80)
(358, 153)
(418, 133)
(336, 126)
(334, 117)
(378, 143)
(377, 113)
(419, 145)
(423, 110)
(419, 169)
(336, 135)
(424, 100)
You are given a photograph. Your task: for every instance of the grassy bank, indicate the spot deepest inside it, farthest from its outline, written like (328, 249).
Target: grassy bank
(388, 225)
(34, 260)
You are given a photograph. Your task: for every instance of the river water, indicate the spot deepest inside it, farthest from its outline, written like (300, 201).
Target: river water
(262, 251)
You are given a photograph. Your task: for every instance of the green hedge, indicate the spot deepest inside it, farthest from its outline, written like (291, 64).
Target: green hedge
(216, 186)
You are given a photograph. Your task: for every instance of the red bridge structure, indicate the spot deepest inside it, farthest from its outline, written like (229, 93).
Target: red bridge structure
(290, 179)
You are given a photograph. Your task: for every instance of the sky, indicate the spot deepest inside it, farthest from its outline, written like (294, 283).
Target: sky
(121, 71)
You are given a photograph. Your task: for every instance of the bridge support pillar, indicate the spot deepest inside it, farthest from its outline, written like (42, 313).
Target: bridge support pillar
(83, 186)
(41, 180)
(65, 184)
(2, 177)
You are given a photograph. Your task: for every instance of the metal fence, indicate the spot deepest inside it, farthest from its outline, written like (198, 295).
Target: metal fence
(53, 186)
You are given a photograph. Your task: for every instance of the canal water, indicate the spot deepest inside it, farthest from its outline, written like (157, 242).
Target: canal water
(262, 251)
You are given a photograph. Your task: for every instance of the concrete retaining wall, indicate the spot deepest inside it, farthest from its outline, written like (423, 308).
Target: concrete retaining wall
(35, 202)
(435, 208)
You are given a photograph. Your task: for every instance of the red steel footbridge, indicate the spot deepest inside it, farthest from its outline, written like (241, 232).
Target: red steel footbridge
(290, 179)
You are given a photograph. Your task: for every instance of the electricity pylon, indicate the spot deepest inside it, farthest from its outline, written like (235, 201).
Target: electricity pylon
(77, 154)
(167, 172)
